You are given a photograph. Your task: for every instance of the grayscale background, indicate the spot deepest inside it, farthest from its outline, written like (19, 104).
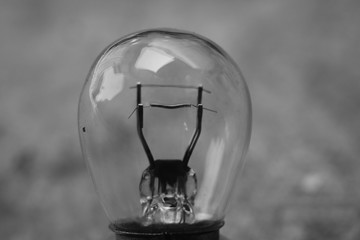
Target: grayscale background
(300, 59)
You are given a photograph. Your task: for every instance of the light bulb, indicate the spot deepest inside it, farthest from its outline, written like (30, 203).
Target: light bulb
(164, 124)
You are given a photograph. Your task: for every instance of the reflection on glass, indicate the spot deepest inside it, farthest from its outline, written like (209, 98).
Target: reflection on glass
(109, 86)
(152, 59)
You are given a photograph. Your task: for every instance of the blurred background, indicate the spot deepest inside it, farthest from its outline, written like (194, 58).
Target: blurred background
(300, 59)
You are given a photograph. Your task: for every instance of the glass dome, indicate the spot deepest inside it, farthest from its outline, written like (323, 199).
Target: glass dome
(164, 123)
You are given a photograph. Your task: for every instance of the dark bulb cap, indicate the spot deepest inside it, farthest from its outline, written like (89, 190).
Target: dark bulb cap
(204, 230)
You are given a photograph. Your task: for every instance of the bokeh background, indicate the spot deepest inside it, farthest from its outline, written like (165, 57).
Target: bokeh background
(301, 61)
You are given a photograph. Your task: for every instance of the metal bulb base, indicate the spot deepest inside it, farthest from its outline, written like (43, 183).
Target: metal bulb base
(204, 230)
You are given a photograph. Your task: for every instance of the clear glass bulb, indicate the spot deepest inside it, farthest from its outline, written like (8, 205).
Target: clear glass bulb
(164, 124)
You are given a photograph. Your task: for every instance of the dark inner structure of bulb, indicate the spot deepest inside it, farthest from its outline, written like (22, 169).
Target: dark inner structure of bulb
(168, 186)
(167, 193)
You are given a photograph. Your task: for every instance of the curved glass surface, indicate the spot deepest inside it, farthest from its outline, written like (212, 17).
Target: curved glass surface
(164, 124)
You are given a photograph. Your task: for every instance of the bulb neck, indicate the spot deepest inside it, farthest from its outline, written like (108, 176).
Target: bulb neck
(167, 236)
(205, 230)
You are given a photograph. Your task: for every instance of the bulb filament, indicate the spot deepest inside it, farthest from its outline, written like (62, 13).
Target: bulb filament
(168, 187)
